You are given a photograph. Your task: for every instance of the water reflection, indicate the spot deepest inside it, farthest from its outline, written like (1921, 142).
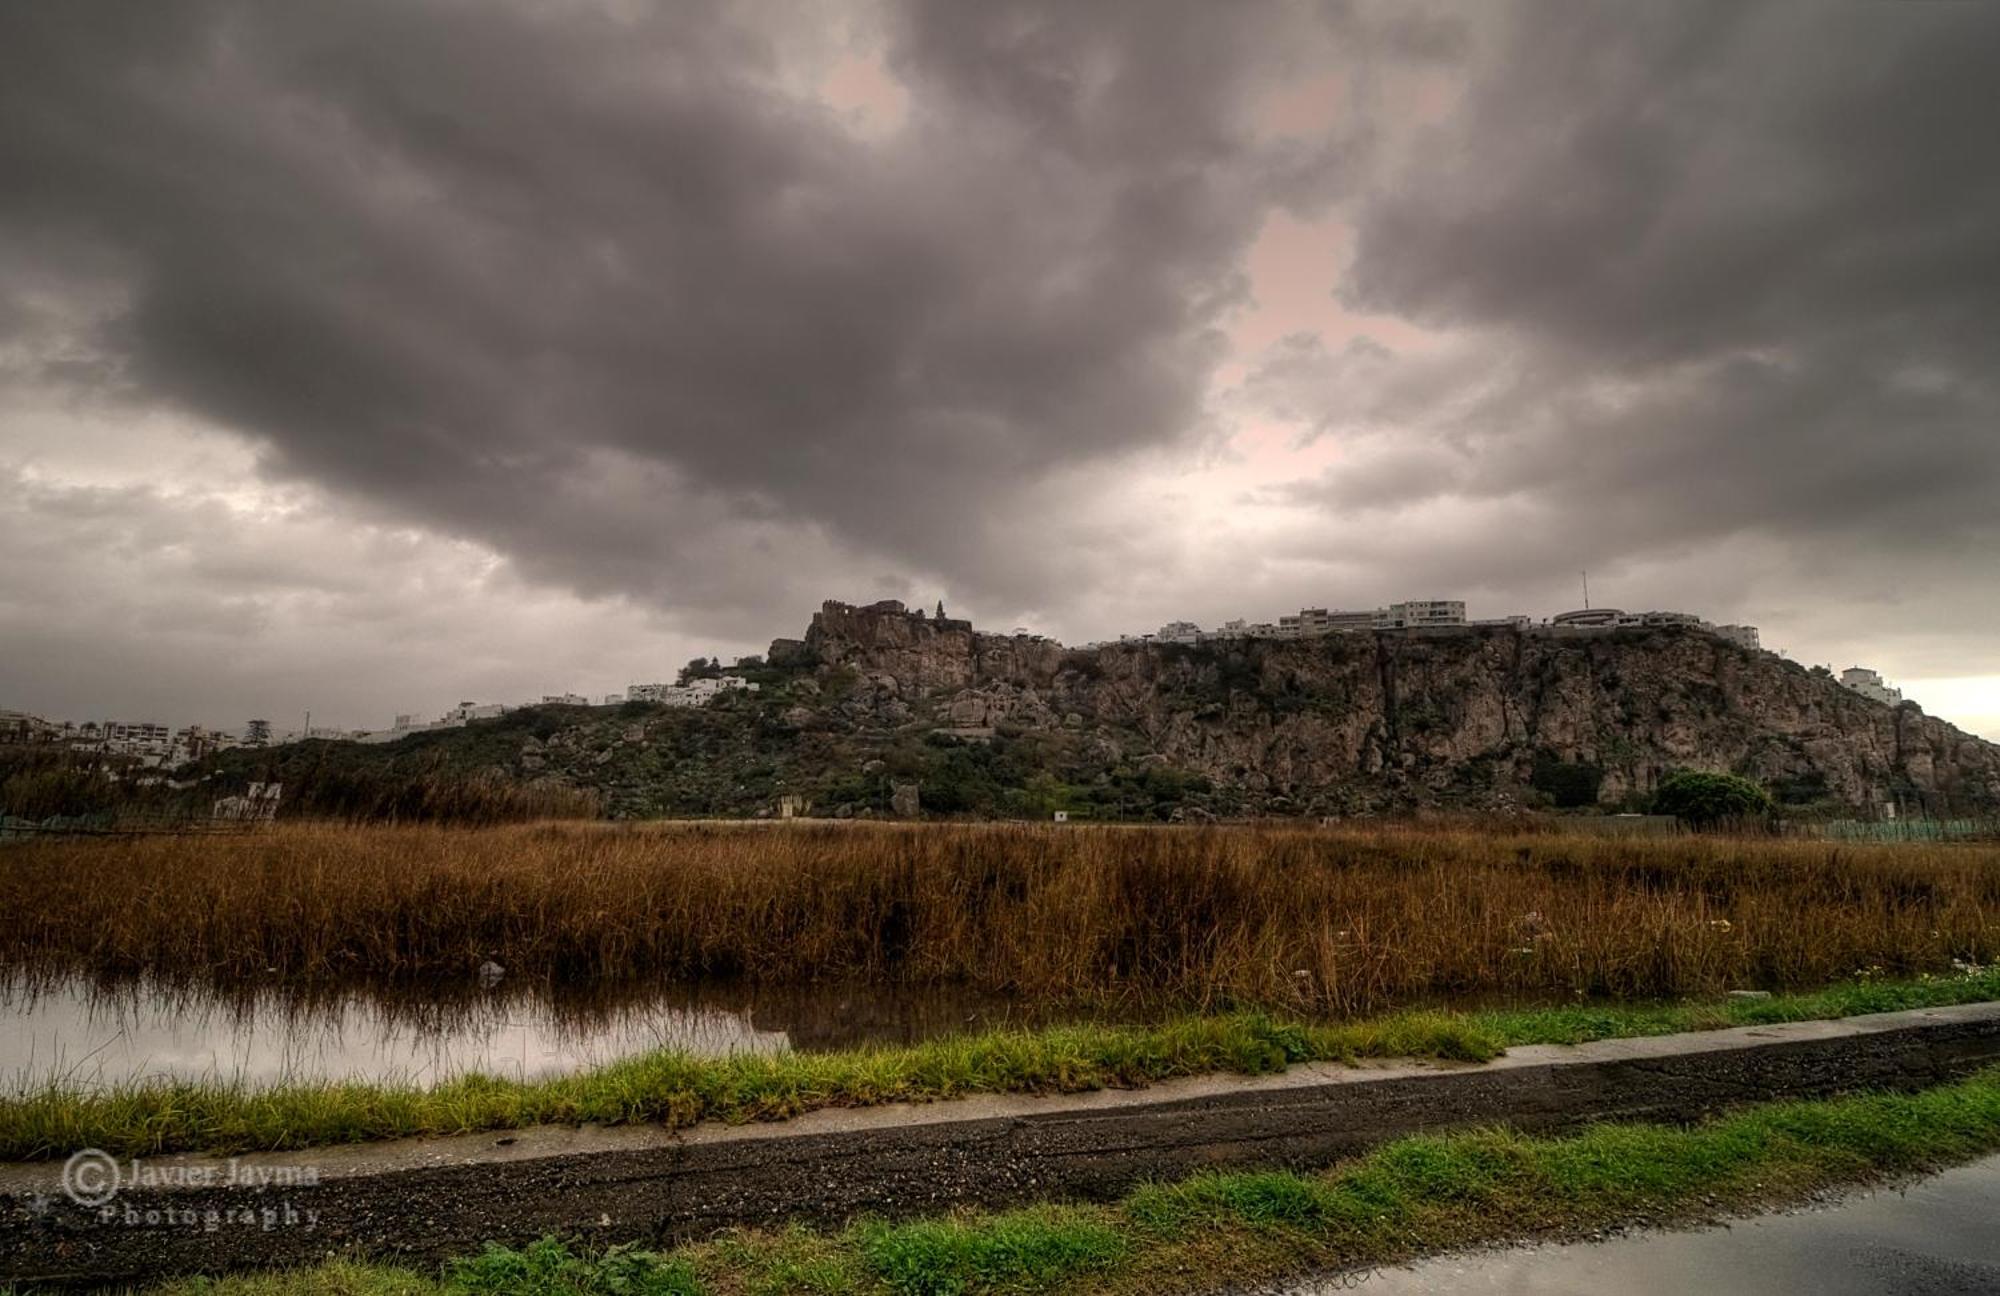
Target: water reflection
(1933, 1236)
(86, 1033)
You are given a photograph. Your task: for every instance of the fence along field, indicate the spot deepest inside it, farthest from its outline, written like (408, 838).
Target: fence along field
(1325, 920)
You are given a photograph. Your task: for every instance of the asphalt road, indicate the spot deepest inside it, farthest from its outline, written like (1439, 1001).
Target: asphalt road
(1935, 1236)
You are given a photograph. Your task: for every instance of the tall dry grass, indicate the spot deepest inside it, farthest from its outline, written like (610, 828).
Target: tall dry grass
(1327, 919)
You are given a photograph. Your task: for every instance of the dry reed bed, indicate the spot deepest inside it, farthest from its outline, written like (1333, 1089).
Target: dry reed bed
(1340, 920)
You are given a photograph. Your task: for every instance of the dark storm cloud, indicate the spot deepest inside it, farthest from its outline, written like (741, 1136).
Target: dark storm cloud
(1704, 271)
(1706, 290)
(1655, 183)
(579, 280)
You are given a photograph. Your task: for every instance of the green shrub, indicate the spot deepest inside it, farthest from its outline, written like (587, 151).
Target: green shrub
(549, 1268)
(1702, 798)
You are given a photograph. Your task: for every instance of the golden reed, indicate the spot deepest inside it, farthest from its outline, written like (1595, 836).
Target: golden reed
(1343, 920)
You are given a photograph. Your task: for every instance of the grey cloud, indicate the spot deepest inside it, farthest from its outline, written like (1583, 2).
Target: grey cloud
(1378, 477)
(134, 602)
(605, 288)
(1701, 276)
(452, 259)
(1656, 183)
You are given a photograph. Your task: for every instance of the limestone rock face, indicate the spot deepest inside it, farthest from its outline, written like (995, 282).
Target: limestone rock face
(923, 654)
(1420, 717)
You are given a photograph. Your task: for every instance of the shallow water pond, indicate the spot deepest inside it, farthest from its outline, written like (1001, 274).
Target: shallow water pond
(89, 1034)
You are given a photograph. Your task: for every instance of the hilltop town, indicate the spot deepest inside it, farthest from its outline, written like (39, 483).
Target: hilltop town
(880, 710)
(1429, 614)
(154, 744)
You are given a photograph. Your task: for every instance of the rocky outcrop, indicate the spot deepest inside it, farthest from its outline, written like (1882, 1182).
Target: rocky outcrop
(1464, 716)
(875, 698)
(923, 654)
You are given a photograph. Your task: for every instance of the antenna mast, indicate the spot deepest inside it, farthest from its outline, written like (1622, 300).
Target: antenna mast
(1586, 591)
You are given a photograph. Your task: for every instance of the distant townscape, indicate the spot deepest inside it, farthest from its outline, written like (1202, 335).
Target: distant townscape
(159, 745)
(156, 744)
(693, 692)
(1427, 614)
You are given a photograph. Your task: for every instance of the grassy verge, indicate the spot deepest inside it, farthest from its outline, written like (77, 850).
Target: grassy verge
(1408, 1197)
(675, 1090)
(1579, 1024)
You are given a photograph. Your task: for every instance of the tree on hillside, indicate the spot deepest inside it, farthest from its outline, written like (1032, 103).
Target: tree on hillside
(1702, 799)
(701, 668)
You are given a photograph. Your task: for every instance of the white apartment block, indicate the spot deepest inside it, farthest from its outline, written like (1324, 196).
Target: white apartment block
(1869, 684)
(1311, 623)
(1743, 636)
(19, 726)
(1420, 613)
(133, 738)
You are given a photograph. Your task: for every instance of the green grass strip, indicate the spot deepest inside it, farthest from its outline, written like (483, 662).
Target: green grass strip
(1580, 1024)
(1409, 1197)
(676, 1089)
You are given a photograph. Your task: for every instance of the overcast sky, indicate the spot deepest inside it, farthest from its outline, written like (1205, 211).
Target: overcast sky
(370, 356)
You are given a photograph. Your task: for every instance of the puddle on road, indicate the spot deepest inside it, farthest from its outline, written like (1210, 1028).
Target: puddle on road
(1934, 1235)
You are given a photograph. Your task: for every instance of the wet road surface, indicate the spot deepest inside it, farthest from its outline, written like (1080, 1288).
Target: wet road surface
(1928, 1238)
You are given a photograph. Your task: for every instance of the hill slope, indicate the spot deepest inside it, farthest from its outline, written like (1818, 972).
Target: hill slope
(875, 697)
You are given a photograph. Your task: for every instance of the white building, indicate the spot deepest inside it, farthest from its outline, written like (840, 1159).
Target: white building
(1419, 613)
(19, 726)
(191, 743)
(1590, 619)
(695, 692)
(135, 738)
(1744, 636)
(564, 699)
(407, 723)
(1312, 623)
(1869, 684)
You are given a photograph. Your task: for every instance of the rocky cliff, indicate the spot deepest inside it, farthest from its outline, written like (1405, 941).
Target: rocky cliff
(875, 701)
(1368, 720)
